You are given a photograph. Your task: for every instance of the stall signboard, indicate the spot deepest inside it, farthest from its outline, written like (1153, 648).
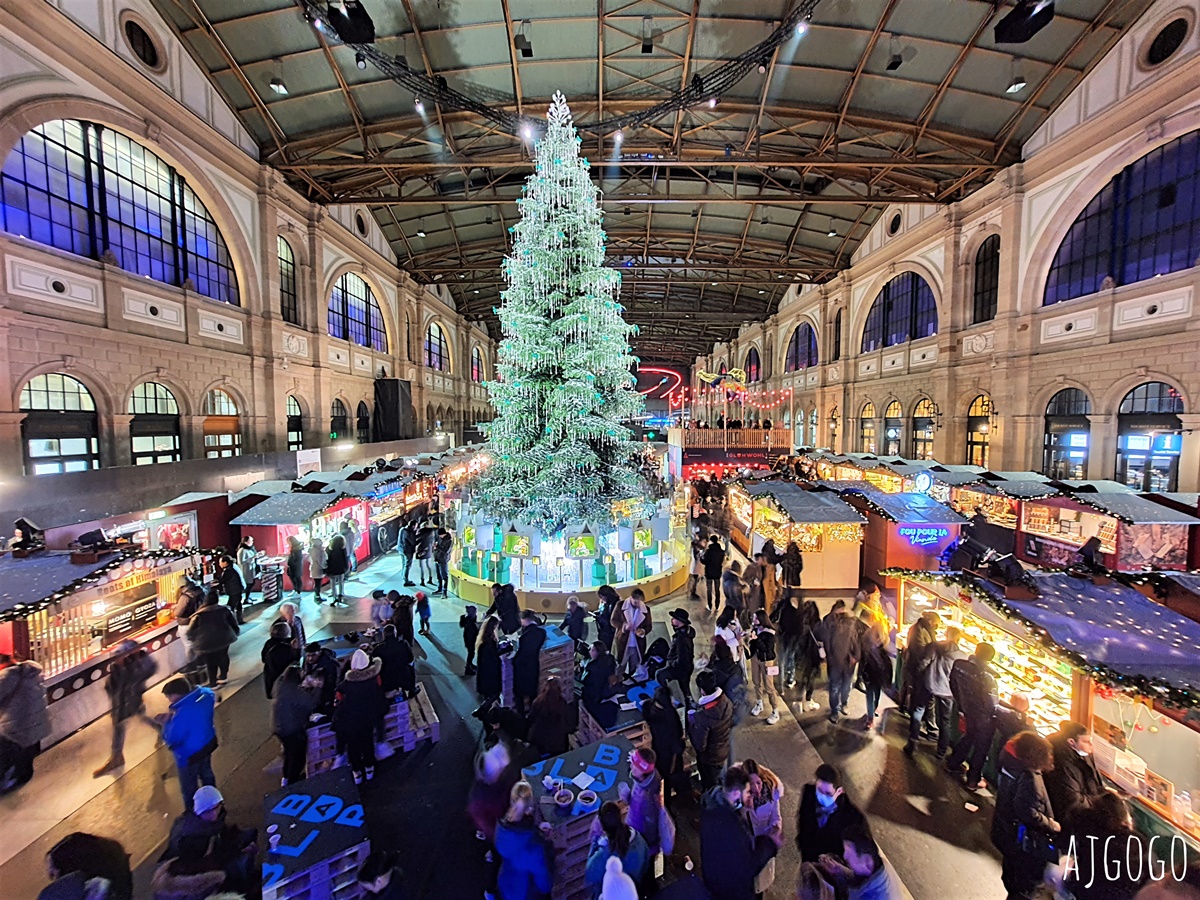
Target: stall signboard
(129, 620)
(923, 535)
(922, 482)
(307, 461)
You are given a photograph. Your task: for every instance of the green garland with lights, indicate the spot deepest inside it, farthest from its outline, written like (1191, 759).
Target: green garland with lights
(1156, 688)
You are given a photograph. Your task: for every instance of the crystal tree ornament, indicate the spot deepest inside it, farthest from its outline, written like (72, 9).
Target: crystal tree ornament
(564, 388)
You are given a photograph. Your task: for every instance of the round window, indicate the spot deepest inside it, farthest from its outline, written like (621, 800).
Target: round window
(894, 224)
(360, 223)
(1168, 40)
(142, 44)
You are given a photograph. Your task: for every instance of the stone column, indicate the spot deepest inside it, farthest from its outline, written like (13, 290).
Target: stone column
(119, 444)
(1022, 448)
(1189, 456)
(1102, 447)
(12, 462)
(191, 438)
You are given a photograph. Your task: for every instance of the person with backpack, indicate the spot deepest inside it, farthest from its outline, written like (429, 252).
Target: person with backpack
(974, 689)
(931, 692)
(713, 559)
(1024, 827)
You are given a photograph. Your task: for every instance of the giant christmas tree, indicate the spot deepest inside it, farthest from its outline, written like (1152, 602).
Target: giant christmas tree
(560, 453)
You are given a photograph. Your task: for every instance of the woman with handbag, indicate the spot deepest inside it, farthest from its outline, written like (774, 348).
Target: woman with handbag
(766, 816)
(1024, 829)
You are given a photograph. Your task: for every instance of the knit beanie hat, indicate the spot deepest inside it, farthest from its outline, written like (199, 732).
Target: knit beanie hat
(360, 660)
(617, 885)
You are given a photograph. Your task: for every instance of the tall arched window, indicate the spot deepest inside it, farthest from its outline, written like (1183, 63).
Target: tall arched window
(222, 427)
(987, 280)
(814, 421)
(893, 428)
(154, 428)
(407, 337)
(753, 366)
(979, 428)
(86, 189)
(339, 420)
(1145, 222)
(866, 428)
(903, 311)
(289, 303)
(477, 374)
(362, 429)
(295, 424)
(437, 353)
(354, 314)
(837, 337)
(801, 349)
(923, 423)
(60, 431)
(1067, 434)
(1150, 437)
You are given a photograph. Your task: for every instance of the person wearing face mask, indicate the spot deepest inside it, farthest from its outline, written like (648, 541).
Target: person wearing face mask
(825, 814)
(380, 878)
(730, 855)
(1073, 784)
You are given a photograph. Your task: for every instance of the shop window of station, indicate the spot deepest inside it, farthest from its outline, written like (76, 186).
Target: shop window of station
(866, 428)
(295, 424)
(339, 420)
(222, 426)
(60, 431)
(154, 429)
(1150, 437)
(923, 425)
(979, 430)
(893, 428)
(1067, 435)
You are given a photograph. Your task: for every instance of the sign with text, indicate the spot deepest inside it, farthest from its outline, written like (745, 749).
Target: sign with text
(923, 535)
(127, 621)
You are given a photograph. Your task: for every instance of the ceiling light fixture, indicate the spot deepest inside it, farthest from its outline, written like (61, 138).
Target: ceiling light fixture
(421, 228)
(619, 136)
(277, 83)
(418, 105)
(761, 291)
(898, 55)
(713, 101)
(802, 26)
(527, 131)
(1027, 18)
(762, 67)
(360, 60)
(1017, 83)
(648, 34)
(522, 42)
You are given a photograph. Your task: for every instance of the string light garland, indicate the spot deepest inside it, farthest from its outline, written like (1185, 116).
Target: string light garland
(564, 387)
(1154, 688)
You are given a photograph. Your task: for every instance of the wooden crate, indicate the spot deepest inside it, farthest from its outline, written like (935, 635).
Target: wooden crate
(407, 723)
(330, 879)
(637, 732)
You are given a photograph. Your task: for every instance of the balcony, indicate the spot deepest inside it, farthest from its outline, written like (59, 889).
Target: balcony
(778, 439)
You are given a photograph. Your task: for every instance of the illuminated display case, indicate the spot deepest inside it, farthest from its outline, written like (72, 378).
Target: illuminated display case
(997, 509)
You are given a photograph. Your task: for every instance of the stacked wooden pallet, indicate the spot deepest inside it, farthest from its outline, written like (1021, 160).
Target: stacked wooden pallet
(635, 730)
(330, 879)
(407, 723)
(556, 658)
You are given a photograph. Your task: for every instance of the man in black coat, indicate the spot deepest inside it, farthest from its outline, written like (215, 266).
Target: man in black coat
(397, 672)
(974, 688)
(526, 661)
(1074, 784)
(713, 560)
(321, 668)
(730, 855)
(681, 658)
(710, 729)
(407, 540)
(229, 577)
(825, 813)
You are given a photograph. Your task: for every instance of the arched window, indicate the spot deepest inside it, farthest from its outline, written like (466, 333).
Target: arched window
(1150, 437)
(437, 354)
(979, 428)
(339, 420)
(1145, 222)
(866, 428)
(363, 423)
(893, 427)
(753, 366)
(801, 349)
(60, 431)
(837, 337)
(477, 373)
(222, 428)
(923, 424)
(987, 279)
(86, 189)
(295, 424)
(289, 304)
(903, 311)
(814, 420)
(154, 429)
(407, 338)
(354, 314)
(1068, 432)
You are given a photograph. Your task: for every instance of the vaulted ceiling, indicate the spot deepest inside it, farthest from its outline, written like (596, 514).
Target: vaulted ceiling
(712, 210)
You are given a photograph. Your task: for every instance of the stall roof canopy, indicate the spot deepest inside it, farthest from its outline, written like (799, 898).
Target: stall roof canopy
(267, 488)
(1178, 496)
(956, 479)
(1025, 490)
(1134, 509)
(1113, 626)
(1093, 487)
(364, 487)
(907, 508)
(805, 506)
(288, 509)
(1186, 580)
(32, 579)
(1015, 476)
(195, 497)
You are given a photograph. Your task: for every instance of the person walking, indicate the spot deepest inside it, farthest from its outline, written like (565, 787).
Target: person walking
(797, 620)
(766, 816)
(1024, 827)
(866, 875)
(426, 535)
(229, 579)
(337, 566)
(713, 559)
(469, 623)
(442, 547)
(733, 589)
(574, 622)
(488, 682)
(359, 706)
(770, 579)
(875, 668)
(408, 549)
(526, 863)
(710, 727)
(188, 732)
(644, 794)
(839, 636)
(824, 816)
(316, 566)
(424, 612)
(974, 689)
(295, 564)
(352, 537)
(212, 632)
(666, 739)
(681, 657)
(277, 654)
(291, 706)
(609, 601)
(247, 562)
(763, 667)
(922, 634)
(526, 662)
(931, 696)
(128, 673)
(632, 622)
(24, 718)
(696, 566)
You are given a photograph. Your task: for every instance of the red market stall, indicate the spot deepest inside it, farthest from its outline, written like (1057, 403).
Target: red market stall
(194, 519)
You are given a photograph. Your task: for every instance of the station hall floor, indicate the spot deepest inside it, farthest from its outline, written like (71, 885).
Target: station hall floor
(416, 802)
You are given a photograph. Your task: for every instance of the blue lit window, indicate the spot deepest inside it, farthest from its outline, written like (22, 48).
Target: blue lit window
(801, 349)
(904, 311)
(86, 189)
(354, 314)
(1145, 222)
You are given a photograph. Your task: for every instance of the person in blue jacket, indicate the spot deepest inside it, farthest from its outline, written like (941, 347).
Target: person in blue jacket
(526, 864)
(188, 731)
(619, 840)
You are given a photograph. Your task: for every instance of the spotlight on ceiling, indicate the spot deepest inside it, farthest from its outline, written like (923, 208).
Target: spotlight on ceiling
(762, 66)
(649, 33)
(421, 230)
(1027, 18)
(418, 105)
(360, 60)
(619, 136)
(278, 86)
(1018, 82)
(314, 21)
(521, 40)
(713, 101)
(527, 131)
(802, 26)
(350, 22)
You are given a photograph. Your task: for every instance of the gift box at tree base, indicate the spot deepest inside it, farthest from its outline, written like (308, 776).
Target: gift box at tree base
(1101, 654)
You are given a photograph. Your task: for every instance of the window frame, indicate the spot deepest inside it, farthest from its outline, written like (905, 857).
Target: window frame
(811, 357)
(289, 297)
(355, 315)
(362, 423)
(753, 366)
(986, 297)
(294, 415)
(437, 348)
(47, 421)
(903, 308)
(478, 376)
(339, 420)
(157, 421)
(979, 430)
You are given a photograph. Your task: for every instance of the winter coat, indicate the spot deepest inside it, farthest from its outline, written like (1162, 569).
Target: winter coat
(213, 628)
(733, 589)
(325, 668)
(24, 714)
(487, 670)
(337, 561)
(623, 628)
(766, 818)
(875, 663)
(633, 863)
(753, 580)
(941, 658)
(190, 599)
(839, 634)
(730, 856)
(299, 640)
(526, 662)
(548, 732)
(290, 708)
(1074, 784)
(526, 867)
(277, 654)
(790, 569)
(1021, 800)
(1102, 851)
(605, 632)
(973, 687)
(77, 886)
(247, 560)
(710, 729)
(681, 658)
(442, 547)
(425, 540)
(233, 585)
(714, 560)
(402, 618)
(316, 560)
(92, 856)
(770, 585)
(189, 731)
(508, 610)
(920, 637)
(397, 671)
(575, 624)
(646, 807)
(762, 646)
(819, 830)
(126, 684)
(408, 540)
(732, 680)
(470, 630)
(360, 701)
(666, 732)
(597, 680)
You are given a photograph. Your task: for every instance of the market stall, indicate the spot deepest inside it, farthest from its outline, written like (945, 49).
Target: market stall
(383, 492)
(1185, 503)
(1134, 533)
(194, 519)
(1101, 654)
(68, 611)
(828, 531)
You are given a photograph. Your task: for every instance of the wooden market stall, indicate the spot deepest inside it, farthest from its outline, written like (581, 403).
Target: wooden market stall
(1185, 503)
(194, 519)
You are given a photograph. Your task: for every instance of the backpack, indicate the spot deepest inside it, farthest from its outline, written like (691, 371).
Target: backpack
(969, 685)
